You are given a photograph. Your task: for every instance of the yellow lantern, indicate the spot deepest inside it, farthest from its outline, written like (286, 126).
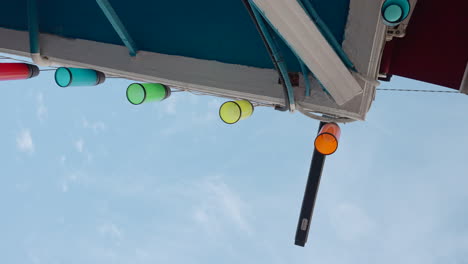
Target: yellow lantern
(233, 111)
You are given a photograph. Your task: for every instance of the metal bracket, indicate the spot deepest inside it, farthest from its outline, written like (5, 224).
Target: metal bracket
(400, 30)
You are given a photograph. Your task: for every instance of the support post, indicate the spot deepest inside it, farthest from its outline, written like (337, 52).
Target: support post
(118, 26)
(310, 195)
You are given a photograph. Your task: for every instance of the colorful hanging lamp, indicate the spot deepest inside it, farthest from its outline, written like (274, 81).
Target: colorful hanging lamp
(65, 77)
(138, 93)
(395, 11)
(233, 111)
(327, 139)
(17, 71)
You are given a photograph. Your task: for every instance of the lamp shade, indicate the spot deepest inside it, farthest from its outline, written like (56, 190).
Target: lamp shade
(395, 11)
(17, 71)
(327, 139)
(138, 93)
(65, 77)
(233, 111)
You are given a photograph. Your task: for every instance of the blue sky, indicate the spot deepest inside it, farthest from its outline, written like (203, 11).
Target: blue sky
(87, 177)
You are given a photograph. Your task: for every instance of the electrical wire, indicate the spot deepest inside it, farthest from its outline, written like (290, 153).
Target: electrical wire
(411, 90)
(49, 68)
(14, 59)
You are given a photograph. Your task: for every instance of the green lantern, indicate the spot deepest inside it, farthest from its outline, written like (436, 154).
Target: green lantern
(395, 11)
(138, 93)
(233, 111)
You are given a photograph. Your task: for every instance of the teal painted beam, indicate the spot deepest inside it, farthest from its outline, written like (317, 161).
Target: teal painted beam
(310, 10)
(276, 55)
(305, 73)
(33, 26)
(118, 26)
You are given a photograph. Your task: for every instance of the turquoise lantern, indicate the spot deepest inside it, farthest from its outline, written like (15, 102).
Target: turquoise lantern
(65, 77)
(395, 11)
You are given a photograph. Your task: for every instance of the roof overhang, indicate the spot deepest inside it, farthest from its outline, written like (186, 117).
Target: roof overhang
(363, 41)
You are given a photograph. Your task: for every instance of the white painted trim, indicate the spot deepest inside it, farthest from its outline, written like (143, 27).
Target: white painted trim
(303, 36)
(364, 43)
(40, 61)
(464, 83)
(221, 79)
(320, 102)
(215, 78)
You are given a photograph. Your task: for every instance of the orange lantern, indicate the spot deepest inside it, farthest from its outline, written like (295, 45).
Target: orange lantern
(327, 139)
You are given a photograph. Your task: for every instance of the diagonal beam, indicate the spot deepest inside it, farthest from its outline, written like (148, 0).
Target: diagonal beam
(118, 26)
(293, 24)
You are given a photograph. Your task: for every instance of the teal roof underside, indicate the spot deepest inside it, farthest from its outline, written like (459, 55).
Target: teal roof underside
(209, 29)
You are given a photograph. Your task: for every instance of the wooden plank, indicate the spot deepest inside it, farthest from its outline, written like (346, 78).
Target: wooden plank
(304, 38)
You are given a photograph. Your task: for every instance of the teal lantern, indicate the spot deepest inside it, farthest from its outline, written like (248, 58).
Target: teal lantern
(65, 77)
(138, 93)
(395, 11)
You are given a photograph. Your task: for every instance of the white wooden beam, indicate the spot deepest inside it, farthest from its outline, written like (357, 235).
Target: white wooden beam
(302, 35)
(216, 78)
(222, 79)
(364, 42)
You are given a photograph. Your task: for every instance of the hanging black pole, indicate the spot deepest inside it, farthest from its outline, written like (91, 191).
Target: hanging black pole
(310, 195)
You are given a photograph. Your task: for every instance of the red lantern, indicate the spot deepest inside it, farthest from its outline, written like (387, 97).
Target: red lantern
(17, 71)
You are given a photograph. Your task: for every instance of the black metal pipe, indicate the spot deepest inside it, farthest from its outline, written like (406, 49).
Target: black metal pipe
(270, 52)
(310, 195)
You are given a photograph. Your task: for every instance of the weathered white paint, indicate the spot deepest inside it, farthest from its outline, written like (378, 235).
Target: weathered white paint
(320, 102)
(303, 36)
(228, 80)
(363, 43)
(212, 77)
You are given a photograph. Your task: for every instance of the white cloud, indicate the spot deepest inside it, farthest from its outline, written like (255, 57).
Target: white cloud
(170, 107)
(24, 141)
(64, 187)
(215, 103)
(79, 145)
(110, 230)
(41, 111)
(201, 119)
(89, 157)
(97, 126)
(351, 222)
(201, 215)
(73, 178)
(221, 205)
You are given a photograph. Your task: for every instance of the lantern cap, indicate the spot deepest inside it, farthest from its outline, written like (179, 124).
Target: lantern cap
(136, 93)
(395, 11)
(230, 112)
(34, 70)
(326, 141)
(168, 92)
(63, 77)
(101, 77)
